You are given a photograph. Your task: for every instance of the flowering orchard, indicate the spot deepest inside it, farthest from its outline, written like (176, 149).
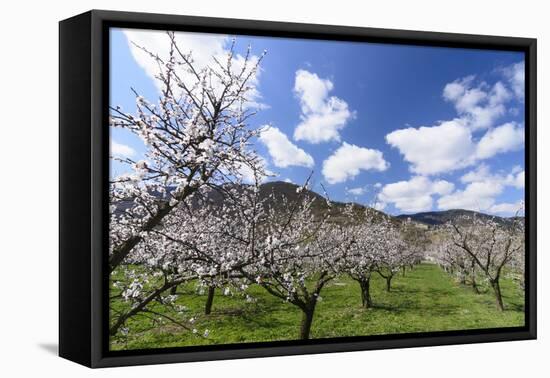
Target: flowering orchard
(196, 135)
(236, 238)
(193, 212)
(473, 247)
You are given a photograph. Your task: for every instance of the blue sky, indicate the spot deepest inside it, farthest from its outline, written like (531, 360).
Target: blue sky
(402, 128)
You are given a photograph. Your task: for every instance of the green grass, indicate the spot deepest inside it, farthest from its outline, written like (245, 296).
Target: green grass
(426, 299)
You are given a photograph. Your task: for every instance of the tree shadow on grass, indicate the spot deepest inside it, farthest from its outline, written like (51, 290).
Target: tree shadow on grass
(254, 314)
(435, 308)
(263, 322)
(439, 310)
(385, 307)
(432, 291)
(515, 307)
(233, 311)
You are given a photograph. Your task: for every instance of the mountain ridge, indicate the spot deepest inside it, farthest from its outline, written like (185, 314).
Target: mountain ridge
(436, 218)
(278, 189)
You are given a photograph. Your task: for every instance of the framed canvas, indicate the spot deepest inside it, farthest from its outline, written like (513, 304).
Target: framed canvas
(234, 188)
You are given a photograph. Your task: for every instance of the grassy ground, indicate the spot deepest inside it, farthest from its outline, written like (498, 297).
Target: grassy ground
(426, 299)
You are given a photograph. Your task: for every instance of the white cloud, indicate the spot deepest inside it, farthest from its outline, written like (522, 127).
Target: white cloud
(515, 74)
(415, 194)
(499, 94)
(477, 196)
(442, 187)
(121, 150)
(312, 91)
(508, 137)
(462, 95)
(203, 47)
(348, 160)
(356, 191)
(287, 180)
(322, 116)
(480, 193)
(456, 144)
(478, 106)
(481, 190)
(507, 209)
(481, 173)
(436, 149)
(283, 152)
(451, 145)
(517, 180)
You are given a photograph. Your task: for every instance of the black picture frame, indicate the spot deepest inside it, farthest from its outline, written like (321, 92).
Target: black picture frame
(83, 195)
